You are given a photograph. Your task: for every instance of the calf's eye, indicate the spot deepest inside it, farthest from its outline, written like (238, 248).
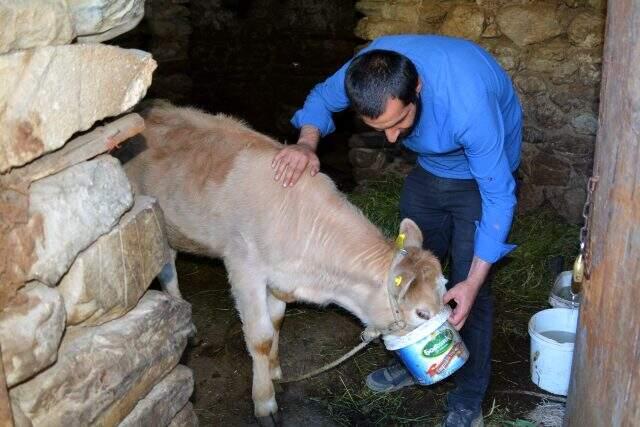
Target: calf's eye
(423, 314)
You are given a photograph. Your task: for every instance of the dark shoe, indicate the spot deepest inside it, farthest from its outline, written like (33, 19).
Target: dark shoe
(392, 378)
(461, 417)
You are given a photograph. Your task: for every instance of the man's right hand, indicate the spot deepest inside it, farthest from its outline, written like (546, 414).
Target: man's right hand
(291, 161)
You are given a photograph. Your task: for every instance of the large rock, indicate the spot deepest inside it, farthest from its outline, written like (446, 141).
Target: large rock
(572, 148)
(532, 135)
(507, 53)
(571, 204)
(400, 12)
(589, 74)
(528, 24)
(564, 72)
(164, 401)
(546, 169)
(585, 123)
(411, 11)
(369, 28)
(30, 331)
(572, 97)
(548, 114)
(47, 94)
(430, 12)
(25, 24)
(100, 20)
(586, 30)
(77, 205)
(19, 233)
(107, 279)
(185, 418)
(555, 50)
(370, 7)
(464, 20)
(29, 23)
(529, 84)
(103, 371)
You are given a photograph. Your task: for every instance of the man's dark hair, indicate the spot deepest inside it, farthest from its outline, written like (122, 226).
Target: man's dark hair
(376, 76)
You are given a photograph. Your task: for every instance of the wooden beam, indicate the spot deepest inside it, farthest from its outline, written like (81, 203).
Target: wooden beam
(605, 387)
(6, 416)
(84, 147)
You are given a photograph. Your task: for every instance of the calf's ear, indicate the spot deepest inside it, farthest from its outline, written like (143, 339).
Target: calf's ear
(400, 277)
(401, 283)
(412, 234)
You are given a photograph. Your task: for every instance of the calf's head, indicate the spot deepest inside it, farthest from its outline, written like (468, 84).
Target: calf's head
(417, 282)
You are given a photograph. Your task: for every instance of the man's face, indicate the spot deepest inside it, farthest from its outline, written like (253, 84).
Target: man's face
(397, 119)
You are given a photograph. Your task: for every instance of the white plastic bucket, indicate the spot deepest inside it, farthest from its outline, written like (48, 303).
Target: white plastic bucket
(560, 295)
(552, 334)
(432, 351)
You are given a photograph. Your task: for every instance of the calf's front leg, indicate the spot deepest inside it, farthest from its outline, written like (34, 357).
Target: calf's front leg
(276, 313)
(250, 292)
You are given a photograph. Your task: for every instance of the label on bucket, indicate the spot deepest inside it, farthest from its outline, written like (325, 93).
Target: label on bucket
(436, 356)
(438, 344)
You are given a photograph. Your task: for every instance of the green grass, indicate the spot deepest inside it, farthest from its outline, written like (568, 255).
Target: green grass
(379, 201)
(522, 281)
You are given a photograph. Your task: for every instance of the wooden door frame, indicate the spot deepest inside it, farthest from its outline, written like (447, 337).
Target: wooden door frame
(605, 386)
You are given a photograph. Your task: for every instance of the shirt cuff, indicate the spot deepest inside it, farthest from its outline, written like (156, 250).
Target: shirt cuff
(302, 118)
(488, 249)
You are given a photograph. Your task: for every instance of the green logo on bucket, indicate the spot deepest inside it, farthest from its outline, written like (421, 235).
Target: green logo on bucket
(439, 344)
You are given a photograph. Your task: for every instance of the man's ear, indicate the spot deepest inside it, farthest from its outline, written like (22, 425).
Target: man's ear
(412, 234)
(419, 86)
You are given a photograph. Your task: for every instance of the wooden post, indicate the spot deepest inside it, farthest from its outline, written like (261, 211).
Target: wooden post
(82, 148)
(6, 416)
(605, 389)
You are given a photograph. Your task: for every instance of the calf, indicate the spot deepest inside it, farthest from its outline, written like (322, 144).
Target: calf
(213, 179)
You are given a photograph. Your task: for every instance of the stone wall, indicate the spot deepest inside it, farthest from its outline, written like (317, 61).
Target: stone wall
(82, 339)
(553, 52)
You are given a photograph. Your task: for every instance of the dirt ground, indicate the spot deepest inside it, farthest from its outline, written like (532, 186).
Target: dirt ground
(311, 337)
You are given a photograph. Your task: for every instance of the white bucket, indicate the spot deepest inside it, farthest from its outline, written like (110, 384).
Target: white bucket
(560, 295)
(432, 351)
(553, 333)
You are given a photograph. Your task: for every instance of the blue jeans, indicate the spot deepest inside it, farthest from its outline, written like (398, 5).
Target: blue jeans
(446, 210)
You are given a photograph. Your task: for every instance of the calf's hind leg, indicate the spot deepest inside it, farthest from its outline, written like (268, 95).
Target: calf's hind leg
(250, 292)
(168, 276)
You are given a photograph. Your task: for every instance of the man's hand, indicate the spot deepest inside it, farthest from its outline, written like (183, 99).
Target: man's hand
(465, 292)
(292, 160)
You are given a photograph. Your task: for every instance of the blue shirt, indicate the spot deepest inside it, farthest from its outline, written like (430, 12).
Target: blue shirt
(470, 124)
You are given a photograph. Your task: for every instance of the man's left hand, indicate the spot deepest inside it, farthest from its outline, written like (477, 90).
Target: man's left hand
(464, 294)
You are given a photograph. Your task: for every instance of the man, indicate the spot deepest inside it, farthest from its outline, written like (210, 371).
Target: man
(451, 103)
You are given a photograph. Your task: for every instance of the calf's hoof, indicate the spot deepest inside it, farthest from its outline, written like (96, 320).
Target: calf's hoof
(271, 420)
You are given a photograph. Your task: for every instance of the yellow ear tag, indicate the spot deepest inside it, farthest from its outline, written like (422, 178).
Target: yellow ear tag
(400, 240)
(398, 280)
